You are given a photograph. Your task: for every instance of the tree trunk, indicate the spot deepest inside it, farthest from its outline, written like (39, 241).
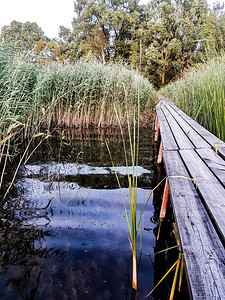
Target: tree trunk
(164, 60)
(182, 63)
(188, 58)
(164, 68)
(163, 75)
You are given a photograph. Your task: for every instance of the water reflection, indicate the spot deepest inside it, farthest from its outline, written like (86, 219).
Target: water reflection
(64, 233)
(22, 251)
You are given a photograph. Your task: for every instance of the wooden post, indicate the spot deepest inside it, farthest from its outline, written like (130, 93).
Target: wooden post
(155, 152)
(156, 129)
(158, 174)
(160, 155)
(156, 122)
(164, 205)
(156, 133)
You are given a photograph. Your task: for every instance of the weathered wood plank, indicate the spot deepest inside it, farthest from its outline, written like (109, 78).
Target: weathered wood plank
(199, 213)
(214, 162)
(180, 137)
(203, 251)
(213, 193)
(207, 135)
(169, 142)
(193, 135)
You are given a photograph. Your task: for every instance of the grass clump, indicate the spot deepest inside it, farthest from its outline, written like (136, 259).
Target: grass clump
(201, 94)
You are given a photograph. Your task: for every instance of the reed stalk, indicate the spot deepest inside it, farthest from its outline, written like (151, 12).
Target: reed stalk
(175, 277)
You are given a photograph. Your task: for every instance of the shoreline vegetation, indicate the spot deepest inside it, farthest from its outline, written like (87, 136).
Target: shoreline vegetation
(37, 97)
(82, 94)
(201, 94)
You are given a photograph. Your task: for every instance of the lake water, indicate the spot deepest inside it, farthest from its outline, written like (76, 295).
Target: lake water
(64, 233)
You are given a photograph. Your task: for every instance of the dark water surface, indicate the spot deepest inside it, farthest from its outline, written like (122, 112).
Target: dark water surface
(64, 233)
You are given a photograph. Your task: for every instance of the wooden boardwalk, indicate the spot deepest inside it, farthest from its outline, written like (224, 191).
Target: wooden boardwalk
(194, 161)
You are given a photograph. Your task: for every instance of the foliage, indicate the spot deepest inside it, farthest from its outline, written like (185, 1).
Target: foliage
(54, 92)
(67, 45)
(47, 50)
(169, 35)
(163, 48)
(201, 94)
(26, 34)
(105, 28)
(36, 98)
(162, 38)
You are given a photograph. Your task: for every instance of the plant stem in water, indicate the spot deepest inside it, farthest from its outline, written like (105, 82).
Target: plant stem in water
(134, 283)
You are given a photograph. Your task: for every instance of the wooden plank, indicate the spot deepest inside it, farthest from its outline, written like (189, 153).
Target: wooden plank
(180, 137)
(169, 142)
(193, 135)
(208, 186)
(207, 135)
(214, 162)
(203, 251)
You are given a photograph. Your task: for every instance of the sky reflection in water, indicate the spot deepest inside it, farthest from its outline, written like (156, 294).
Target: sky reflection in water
(63, 240)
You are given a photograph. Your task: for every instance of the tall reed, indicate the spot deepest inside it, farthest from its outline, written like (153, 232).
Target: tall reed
(84, 94)
(36, 97)
(201, 94)
(132, 151)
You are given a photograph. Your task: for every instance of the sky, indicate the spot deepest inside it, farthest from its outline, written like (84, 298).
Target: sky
(48, 14)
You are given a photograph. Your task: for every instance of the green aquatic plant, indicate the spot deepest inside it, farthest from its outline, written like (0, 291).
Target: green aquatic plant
(133, 125)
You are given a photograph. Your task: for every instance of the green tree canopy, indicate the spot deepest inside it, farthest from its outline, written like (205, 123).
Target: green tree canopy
(27, 34)
(161, 38)
(67, 44)
(169, 37)
(47, 50)
(105, 28)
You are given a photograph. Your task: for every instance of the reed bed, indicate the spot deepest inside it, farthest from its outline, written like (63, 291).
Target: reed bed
(38, 96)
(83, 94)
(200, 93)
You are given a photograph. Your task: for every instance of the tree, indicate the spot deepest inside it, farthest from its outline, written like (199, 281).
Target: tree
(31, 33)
(169, 39)
(160, 46)
(212, 32)
(105, 28)
(67, 45)
(47, 50)
(11, 32)
(27, 34)
(211, 36)
(187, 31)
